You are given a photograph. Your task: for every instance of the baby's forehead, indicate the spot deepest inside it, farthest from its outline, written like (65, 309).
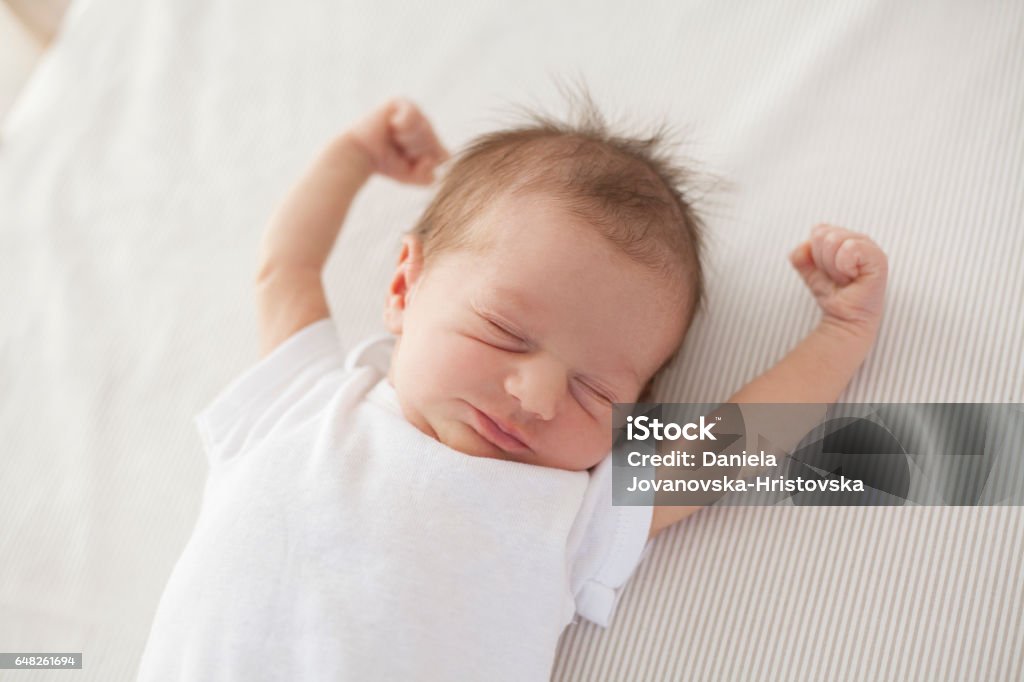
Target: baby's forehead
(528, 253)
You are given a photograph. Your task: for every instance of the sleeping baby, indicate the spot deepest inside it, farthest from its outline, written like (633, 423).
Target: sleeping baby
(435, 503)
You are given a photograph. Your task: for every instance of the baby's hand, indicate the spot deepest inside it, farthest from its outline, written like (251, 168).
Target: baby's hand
(847, 272)
(399, 142)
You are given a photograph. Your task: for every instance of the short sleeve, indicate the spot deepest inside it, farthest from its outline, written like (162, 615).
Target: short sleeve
(257, 399)
(608, 542)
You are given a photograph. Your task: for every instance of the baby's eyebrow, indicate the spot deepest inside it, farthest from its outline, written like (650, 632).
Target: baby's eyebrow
(621, 386)
(501, 303)
(502, 298)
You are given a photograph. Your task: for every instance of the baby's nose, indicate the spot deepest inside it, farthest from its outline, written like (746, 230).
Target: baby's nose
(538, 383)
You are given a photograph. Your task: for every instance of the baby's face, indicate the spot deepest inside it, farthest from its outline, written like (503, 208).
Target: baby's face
(519, 353)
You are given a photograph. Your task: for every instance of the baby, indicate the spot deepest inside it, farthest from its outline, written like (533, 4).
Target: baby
(435, 503)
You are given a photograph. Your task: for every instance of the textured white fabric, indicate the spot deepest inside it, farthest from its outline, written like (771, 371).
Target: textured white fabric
(337, 541)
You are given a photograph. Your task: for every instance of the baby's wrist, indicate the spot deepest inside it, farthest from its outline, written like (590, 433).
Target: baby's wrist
(348, 150)
(855, 332)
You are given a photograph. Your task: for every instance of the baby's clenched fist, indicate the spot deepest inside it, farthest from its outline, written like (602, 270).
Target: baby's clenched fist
(847, 274)
(399, 142)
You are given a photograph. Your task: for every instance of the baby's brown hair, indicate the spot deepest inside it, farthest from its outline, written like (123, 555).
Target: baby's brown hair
(628, 188)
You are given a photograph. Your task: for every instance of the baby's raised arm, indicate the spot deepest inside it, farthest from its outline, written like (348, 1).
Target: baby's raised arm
(847, 273)
(395, 140)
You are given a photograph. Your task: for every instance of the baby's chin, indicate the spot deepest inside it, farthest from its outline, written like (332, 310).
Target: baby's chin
(464, 438)
(455, 434)
(458, 435)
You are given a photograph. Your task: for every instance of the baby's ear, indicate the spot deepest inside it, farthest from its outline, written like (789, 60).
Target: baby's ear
(407, 273)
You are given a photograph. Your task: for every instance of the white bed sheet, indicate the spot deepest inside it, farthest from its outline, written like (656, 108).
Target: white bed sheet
(139, 166)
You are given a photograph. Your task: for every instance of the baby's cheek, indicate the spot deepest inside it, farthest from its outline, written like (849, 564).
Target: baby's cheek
(582, 442)
(599, 439)
(418, 364)
(454, 361)
(471, 360)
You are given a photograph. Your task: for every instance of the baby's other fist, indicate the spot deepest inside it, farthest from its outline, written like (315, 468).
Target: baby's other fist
(847, 274)
(399, 142)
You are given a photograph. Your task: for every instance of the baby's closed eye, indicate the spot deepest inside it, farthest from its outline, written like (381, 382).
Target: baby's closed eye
(506, 336)
(595, 392)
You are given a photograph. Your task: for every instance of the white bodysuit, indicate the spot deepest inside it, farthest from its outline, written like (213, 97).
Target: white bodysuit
(338, 542)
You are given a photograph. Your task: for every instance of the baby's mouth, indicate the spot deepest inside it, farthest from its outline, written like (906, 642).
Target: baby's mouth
(492, 432)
